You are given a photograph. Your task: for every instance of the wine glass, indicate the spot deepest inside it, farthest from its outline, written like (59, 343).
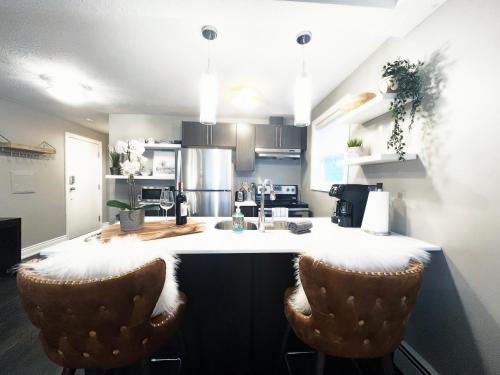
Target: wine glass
(166, 201)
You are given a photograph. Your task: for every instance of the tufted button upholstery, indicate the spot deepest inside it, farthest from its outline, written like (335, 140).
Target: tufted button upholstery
(354, 314)
(87, 324)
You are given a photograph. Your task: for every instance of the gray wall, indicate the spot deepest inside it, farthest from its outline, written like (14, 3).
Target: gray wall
(44, 212)
(450, 195)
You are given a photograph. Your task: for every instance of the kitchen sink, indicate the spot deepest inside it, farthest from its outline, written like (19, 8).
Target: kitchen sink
(228, 225)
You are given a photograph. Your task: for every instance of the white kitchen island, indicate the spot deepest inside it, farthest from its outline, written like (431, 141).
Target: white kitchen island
(323, 234)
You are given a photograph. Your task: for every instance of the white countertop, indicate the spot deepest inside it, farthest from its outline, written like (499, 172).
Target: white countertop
(324, 233)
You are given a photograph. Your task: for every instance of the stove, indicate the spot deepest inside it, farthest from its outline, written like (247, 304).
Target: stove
(286, 196)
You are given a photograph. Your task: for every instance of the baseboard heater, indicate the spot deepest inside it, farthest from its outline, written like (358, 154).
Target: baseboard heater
(409, 362)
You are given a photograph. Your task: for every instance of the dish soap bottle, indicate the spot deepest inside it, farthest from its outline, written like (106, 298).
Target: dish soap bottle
(238, 220)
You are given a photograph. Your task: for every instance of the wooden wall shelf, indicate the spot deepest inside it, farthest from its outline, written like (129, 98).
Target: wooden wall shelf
(376, 159)
(21, 150)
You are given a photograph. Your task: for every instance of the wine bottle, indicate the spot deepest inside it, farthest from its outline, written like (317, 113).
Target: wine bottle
(181, 208)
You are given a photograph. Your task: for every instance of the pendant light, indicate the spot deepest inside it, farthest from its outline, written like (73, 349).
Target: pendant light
(302, 92)
(208, 84)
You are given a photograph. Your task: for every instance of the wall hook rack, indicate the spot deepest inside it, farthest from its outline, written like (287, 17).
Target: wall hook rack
(43, 151)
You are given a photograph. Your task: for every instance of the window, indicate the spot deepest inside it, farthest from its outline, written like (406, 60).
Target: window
(328, 146)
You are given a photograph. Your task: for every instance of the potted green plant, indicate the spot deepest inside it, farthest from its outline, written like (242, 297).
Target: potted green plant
(403, 79)
(131, 213)
(114, 157)
(354, 147)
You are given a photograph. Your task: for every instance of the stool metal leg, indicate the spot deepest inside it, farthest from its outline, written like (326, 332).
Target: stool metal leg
(284, 354)
(320, 363)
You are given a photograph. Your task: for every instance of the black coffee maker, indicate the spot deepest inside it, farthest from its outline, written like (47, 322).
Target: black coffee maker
(351, 203)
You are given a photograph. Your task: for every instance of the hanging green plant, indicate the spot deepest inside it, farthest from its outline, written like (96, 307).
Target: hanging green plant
(403, 78)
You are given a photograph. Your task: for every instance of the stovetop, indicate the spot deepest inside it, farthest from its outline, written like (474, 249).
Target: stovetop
(283, 203)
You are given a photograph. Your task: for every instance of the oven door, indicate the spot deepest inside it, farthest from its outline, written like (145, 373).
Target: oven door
(292, 212)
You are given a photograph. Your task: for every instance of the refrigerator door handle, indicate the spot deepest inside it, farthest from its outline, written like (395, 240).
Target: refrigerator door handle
(276, 137)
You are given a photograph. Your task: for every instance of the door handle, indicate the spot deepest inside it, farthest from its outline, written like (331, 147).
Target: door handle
(281, 137)
(72, 188)
(207, 134)
(212, 134)
(276, 137)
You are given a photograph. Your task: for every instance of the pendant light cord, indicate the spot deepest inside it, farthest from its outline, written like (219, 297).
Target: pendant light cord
(208, 53)
(303, 59)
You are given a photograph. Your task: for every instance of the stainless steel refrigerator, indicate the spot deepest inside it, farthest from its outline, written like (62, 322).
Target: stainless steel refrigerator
(207, 177)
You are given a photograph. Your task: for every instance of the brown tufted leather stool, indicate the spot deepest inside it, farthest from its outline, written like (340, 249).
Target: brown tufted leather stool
(354, 314)
(99, 323)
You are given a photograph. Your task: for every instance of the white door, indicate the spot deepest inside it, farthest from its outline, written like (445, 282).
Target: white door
(83, 185)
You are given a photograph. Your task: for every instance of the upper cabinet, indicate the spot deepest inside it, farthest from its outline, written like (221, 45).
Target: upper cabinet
(280, 136)
(195, 134)
(245, 148)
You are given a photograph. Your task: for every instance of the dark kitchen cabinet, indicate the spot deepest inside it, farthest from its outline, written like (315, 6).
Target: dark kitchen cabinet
(266, 136)
(223, 135)
(290, 137)
(280, 136)
(195, 134)
(245, 147)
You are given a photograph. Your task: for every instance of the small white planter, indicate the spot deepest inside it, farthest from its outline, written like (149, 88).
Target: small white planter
(355, 152)
(132, 220)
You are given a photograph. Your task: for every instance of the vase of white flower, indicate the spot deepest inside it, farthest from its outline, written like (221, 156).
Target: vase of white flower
(131, 213)
(132, 219)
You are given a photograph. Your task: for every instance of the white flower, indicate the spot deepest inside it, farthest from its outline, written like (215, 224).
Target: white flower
(130, 167)
(136, 147)
(121, 147)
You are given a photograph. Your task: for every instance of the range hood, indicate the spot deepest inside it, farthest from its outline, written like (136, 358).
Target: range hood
(278, 153)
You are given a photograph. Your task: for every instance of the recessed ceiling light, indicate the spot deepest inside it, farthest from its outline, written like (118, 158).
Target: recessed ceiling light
(89, 119)
(246, 98)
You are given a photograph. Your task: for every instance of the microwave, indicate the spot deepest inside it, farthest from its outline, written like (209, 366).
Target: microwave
(152, 194)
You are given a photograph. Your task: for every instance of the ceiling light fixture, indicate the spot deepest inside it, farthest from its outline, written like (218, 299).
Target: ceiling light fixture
(246, 98)
(302, 93)
(208, 84)
(67, 90)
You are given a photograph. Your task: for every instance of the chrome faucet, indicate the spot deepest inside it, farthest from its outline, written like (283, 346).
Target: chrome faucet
(272, 196)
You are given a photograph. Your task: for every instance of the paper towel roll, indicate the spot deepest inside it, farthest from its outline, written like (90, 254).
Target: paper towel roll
(376, 217)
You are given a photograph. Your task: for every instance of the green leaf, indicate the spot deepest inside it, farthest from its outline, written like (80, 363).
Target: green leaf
(147, 206)
(118, 204)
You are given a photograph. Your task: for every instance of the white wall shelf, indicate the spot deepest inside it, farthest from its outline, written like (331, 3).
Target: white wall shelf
(377, 159)
(162, 146)
(120, 177)
(366, 112)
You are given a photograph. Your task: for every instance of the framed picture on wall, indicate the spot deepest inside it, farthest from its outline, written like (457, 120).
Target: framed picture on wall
(164, 164)
(328, 147)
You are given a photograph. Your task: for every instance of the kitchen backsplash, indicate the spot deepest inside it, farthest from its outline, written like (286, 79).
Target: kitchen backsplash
(279, 171)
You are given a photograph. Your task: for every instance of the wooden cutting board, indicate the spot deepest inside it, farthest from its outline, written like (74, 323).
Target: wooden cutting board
(154, 230)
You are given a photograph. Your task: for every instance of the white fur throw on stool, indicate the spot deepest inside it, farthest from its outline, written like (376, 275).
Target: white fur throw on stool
(374, 260)
(88, 260)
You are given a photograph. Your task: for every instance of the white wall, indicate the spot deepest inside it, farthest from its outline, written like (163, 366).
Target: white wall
(450, 195)
(44, 212)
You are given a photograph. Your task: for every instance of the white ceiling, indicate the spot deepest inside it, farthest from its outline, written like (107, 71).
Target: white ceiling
(147, 56)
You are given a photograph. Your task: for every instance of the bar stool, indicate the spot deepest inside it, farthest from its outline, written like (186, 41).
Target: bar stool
(100, 323)
(354, 314)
